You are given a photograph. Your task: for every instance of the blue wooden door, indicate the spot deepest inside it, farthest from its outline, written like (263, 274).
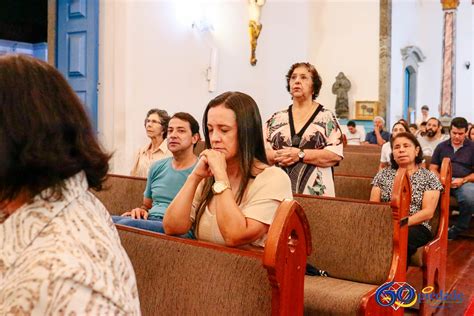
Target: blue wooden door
(406, 97)
(77, 49)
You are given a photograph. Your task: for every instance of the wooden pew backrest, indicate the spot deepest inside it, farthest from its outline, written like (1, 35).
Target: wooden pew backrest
(183, 277)
(342, 246)
(358, 164)
(121, 193)
(353, 187)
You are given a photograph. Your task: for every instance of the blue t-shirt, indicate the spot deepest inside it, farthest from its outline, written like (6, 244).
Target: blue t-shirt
(372, 138)
(163, 183)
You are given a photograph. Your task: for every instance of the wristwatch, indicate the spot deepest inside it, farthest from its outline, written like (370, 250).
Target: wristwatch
(301, 155)
(220, 186)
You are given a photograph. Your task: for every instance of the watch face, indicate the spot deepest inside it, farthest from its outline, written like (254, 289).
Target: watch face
(219, 187)
(301, 154)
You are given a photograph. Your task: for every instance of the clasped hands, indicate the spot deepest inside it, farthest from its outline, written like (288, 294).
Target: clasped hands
(286, 156)
(211, 163)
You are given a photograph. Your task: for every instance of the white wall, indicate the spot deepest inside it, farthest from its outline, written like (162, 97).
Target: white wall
(151, 57)
(345, 37)
(420, 23)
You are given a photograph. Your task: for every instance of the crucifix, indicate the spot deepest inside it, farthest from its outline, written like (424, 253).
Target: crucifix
(255, 8)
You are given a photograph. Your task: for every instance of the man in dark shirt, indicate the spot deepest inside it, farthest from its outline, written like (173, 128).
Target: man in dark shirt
(461, 151)
(378, 136)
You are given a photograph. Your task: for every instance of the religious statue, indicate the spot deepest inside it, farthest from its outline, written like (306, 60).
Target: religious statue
(255, 27)
(340, 89)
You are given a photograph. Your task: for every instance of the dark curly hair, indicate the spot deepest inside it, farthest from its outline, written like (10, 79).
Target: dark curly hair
(45, 133)
(317, 82)
(412, 138)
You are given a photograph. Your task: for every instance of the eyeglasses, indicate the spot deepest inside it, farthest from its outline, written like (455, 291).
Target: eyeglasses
(152, 121)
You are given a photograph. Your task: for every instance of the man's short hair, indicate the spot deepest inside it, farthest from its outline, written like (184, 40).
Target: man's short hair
(434, 118)
(351, 123)
(425, 107)
(459, 122)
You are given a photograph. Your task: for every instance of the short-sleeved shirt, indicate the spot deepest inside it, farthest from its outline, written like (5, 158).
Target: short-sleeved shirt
(462, 161)
(428, 146)
(385, 153)
(162, 185)
(421, 181)
(145, 158)
(323, 132)
(263, 196)
(354, 138)
(371, 138)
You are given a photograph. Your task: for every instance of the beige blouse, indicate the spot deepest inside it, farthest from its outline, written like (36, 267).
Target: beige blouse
(260, 202)
(65, 258)
(145, 158)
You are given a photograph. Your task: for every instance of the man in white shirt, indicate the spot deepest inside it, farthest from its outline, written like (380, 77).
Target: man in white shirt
(354, 136)
(425, 114)
(432, 137)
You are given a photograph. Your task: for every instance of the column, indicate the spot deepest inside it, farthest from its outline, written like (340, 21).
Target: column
(449, 59)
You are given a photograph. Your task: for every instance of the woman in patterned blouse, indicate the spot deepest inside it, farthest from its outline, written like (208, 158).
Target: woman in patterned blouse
(305, 138)
(60, 252)
(426, 187)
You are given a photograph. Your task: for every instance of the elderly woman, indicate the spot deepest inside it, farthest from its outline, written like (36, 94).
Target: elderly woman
(305, 139)
(398, 127)
(156, 126)
(407, 153)
(60, 252)
(232, 195)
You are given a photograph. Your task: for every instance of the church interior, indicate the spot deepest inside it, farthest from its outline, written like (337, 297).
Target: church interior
(376, 58)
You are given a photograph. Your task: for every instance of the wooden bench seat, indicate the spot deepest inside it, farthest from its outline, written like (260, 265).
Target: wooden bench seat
(361, 245)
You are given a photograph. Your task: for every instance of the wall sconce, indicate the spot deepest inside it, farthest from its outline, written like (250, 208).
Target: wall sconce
(467, 64)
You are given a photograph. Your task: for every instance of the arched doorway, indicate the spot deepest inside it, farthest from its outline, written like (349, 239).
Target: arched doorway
(412, 56)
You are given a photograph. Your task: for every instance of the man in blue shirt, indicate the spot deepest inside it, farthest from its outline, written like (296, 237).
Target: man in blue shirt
(378, 136)
(166, 176)
(461, 151)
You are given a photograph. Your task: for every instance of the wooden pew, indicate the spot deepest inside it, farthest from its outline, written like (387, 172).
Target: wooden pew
(431, 258)
(121, 193)
(358, 164)
(376, 149)
(361, 245)
(353, 187)
(188, 277)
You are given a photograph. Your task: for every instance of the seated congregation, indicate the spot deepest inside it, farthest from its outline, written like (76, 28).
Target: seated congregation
(235, 220)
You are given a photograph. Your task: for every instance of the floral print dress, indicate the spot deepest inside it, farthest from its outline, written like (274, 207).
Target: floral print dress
(323, 132)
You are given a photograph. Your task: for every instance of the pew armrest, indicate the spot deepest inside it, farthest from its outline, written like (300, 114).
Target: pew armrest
(284, 257)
